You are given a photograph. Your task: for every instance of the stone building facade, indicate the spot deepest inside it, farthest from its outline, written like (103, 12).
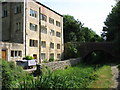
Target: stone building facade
(31, 29)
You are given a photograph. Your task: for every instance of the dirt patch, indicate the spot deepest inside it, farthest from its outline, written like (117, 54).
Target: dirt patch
(116, 77)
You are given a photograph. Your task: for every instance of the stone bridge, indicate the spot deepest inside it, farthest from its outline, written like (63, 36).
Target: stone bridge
(88, 47)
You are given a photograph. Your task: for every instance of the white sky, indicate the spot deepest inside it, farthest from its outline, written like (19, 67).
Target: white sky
(90, 12)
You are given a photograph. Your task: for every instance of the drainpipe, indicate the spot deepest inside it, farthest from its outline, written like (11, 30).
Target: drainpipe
(62, 40)
(39, 35)
(25, 4)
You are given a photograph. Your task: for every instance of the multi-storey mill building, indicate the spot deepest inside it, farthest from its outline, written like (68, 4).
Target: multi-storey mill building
(30, 28)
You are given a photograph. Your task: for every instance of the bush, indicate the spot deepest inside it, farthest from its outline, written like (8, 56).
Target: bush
(45, 61)
(118, 67)
(13, 75)
(28, 58)
(51, 59)
(71, 51)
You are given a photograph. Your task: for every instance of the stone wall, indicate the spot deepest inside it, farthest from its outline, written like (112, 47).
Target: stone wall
(61, 64)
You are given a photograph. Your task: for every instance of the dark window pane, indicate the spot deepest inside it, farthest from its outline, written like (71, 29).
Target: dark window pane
(12, 53)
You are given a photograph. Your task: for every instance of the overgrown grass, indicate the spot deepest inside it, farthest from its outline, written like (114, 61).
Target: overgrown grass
(79, 76)
(104, 78)
(12, 75)
(73, 77)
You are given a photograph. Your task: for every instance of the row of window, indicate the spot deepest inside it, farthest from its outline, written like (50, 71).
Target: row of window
(43, 45)
(52, 32)
(51, 20)
(44, 30)
(34, 28)
(17, 10)
(34, 43)
(43, 56)
(16, 53)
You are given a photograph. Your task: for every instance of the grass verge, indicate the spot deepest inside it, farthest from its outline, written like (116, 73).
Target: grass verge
(104, 78)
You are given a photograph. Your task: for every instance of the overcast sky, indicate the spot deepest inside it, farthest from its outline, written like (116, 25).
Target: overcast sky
(90, 12)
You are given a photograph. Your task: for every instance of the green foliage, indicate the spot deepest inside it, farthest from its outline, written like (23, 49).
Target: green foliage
(45, 61)
(29, 58)
(66, 67)
(112, 24)
(118, 67)
(79, 76)
(75, 31)
(13, 75)
(70, 51)
(51, 59)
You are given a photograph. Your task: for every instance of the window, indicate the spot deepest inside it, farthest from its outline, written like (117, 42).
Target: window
(43, 44)
(58, 34)
(20, 53)
(33, 13)
(58, 46)
(52, 55)
(58, 56)
(58, 23)
(52, 45)
(33, 27)
(18, 9)
(52, 33)
(12, 53)
(18, 26)
(43, 30)
(33, 43)
(51, 20)
(16, 53)
(43, 56)
(43, 17)
(4, 13)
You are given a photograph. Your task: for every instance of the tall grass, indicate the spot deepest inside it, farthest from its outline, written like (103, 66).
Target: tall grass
(79, 76)
(74, 77)
(13, 75)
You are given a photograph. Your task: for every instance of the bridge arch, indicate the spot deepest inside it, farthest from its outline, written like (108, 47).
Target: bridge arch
(88, 47)
(85, 48)
(101, 56)
(98, 50)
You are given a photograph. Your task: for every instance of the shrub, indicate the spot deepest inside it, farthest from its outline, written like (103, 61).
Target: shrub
(45, 61)
(118, 67)
(51, 59)
(28, 58)
(71, 51)
(13, 75)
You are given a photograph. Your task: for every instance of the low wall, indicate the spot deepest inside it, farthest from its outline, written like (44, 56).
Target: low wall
(61, 64)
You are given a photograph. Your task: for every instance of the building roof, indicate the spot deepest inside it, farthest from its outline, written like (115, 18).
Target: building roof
(48, 8)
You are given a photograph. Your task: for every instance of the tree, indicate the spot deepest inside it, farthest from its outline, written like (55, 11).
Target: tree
(70, 28)
(74, 31)
(112, 24)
